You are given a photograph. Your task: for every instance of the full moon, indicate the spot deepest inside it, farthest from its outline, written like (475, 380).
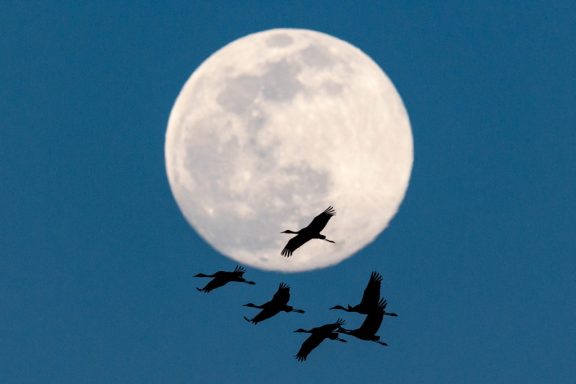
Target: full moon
(275, 127)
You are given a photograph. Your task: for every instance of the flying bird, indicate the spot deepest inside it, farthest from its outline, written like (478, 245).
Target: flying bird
(370, 298)
(271, 308)
(370, 326)
(318, 335)
(221, 278)
(312, 231)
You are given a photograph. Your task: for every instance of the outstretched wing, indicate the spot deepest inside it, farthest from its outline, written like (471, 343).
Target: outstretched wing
(293, 244)
(308, 345)
(338, 324)
(239, 271)
(328, 328)
(320, 221)
(264, 314)
(282, 295)
(216, 282)
(373, 320)
(371, 295)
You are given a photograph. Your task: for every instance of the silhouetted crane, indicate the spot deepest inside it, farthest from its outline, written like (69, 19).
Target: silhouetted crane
(312, 231)
(370, 326)
(278, 303)
(370, 298)
(318, 335)
(221, 278)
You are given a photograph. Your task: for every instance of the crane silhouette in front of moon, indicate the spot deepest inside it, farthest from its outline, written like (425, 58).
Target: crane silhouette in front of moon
(312, 231)
(271, 308)
(370, 298)
(317, 336)
(370, 326)
(221, 278)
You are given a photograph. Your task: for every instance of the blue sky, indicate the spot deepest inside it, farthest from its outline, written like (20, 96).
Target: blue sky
(96, 261)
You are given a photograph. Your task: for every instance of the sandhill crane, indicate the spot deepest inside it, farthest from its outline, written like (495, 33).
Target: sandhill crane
(318, 335)
(370, 298)
(221, 278)
(278, 303)
(312, 231)
(370, 326)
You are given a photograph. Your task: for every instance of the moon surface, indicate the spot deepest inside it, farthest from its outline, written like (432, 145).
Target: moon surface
(272, 129)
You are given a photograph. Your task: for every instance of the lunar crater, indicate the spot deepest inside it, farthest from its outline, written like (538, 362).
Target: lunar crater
(239, 93)
(317, 56)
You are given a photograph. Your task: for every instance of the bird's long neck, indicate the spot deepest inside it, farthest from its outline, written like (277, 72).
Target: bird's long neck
(203, 275)
(349, 309)
(252, 305)
(391, 314)
(291, 232)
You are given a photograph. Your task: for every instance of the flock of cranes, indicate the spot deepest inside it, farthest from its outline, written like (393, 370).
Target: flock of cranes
(372, 305)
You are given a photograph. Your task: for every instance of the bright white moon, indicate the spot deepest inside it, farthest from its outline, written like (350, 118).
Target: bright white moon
(272, 129)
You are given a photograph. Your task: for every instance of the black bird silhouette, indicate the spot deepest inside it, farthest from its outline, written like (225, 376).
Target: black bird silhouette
(221, 278)
(370, 298)
(318, 335)
(312, 231)
(278, 303)
(370, 326)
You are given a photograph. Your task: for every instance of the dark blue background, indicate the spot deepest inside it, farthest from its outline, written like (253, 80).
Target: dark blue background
(96, 261)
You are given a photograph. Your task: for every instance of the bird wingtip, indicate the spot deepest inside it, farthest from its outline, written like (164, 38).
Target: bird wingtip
(376, 276)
